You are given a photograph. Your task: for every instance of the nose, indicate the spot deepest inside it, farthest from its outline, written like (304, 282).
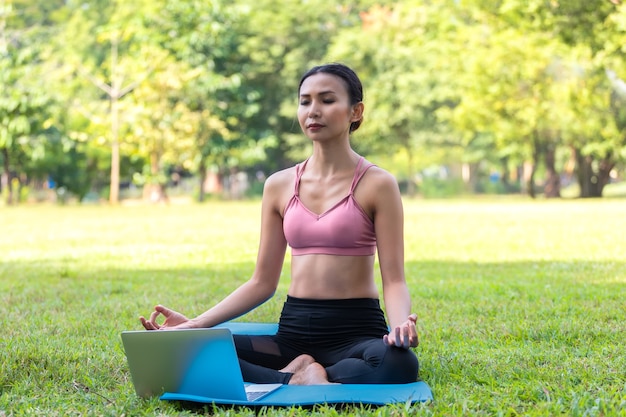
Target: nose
(314, 110)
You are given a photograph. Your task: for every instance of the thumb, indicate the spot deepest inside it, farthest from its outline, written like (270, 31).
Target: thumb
(163, 310)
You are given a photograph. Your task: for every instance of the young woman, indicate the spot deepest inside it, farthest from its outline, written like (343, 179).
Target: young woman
(334, 210)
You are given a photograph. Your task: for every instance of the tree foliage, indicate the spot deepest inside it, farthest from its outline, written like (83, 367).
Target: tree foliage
(140, 89)
(25, 104)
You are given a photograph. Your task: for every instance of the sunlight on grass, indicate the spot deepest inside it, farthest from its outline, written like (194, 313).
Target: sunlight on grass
(521, 303)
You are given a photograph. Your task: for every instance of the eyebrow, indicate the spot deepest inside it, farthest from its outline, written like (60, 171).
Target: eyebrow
(321, 93)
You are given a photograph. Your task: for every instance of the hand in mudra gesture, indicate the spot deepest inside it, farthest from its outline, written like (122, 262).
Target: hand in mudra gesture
(404, 335)
(172, 320)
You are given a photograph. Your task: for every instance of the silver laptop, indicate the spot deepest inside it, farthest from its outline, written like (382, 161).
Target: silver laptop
(201, 362)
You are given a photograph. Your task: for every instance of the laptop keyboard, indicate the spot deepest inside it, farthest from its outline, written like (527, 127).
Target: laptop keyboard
(255, 394)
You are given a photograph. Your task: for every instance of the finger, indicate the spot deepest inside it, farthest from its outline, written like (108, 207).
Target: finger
(406, 338)
(409, 331)
(388, 339)
(414, 338)
(153, 316)
(146, 324)
(398, 337)
(163, 310)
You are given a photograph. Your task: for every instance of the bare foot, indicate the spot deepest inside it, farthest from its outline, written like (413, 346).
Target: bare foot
(313, 374)
(298, 364)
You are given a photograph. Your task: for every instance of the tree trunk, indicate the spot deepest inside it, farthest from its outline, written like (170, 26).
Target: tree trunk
(504, 178)
(552, 188)
(115, 92)
(533, 170)
(530, 184)
(202, 171)
(157, 191)
(114, 188)
(590, 180)
(6, 177)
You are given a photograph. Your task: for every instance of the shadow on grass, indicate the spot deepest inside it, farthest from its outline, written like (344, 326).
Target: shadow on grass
(71, 289)
(61, 320)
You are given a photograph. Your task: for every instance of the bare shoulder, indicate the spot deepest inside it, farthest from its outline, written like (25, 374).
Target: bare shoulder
(280, 179)
(380, 180)
(378, 189)
(279, 187)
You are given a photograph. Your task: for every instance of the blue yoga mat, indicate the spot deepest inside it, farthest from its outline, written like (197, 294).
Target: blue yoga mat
(295, 395)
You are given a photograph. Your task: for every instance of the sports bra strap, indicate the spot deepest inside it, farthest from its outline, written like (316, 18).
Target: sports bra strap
(358, 174)
(299, 172)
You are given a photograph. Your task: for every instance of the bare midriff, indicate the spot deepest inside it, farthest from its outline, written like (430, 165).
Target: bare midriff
(332, 277)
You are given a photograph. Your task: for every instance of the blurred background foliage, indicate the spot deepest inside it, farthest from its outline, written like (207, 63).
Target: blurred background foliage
(109, 99)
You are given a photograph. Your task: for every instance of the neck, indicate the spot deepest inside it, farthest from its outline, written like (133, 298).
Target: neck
(327, 159)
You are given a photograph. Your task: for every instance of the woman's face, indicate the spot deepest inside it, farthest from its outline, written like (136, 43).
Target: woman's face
(324, 110)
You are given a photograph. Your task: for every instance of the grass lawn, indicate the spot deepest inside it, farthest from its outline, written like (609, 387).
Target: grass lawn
(522, 304)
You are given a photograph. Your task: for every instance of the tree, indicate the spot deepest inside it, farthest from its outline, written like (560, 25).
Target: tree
(511, 88)
(277, 40)
(195, 85)
(162, 128)
(24, 103)
(580, 94)
(202, 37)
(402, 53)
(104, 44)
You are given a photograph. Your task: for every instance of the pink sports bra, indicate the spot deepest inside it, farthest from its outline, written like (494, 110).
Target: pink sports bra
(343, 229)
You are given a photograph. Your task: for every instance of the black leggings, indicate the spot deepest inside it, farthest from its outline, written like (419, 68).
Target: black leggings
(344, 336)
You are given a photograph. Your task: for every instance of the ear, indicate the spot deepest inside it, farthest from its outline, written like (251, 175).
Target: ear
(357, 112)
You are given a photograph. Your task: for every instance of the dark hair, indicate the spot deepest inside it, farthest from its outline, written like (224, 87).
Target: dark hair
(349, 77)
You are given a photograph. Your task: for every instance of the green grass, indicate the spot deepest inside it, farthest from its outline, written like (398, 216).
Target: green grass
(522, 304)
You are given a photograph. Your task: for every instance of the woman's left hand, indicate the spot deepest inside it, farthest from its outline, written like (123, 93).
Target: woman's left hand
(404, 335)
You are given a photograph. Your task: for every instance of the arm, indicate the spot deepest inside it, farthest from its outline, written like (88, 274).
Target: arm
(254, 292)
(389, 224)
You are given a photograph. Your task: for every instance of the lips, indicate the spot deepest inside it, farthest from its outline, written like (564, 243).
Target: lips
(315, 126)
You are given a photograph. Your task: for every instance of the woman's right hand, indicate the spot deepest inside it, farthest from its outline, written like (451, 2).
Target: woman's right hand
(173, 320)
